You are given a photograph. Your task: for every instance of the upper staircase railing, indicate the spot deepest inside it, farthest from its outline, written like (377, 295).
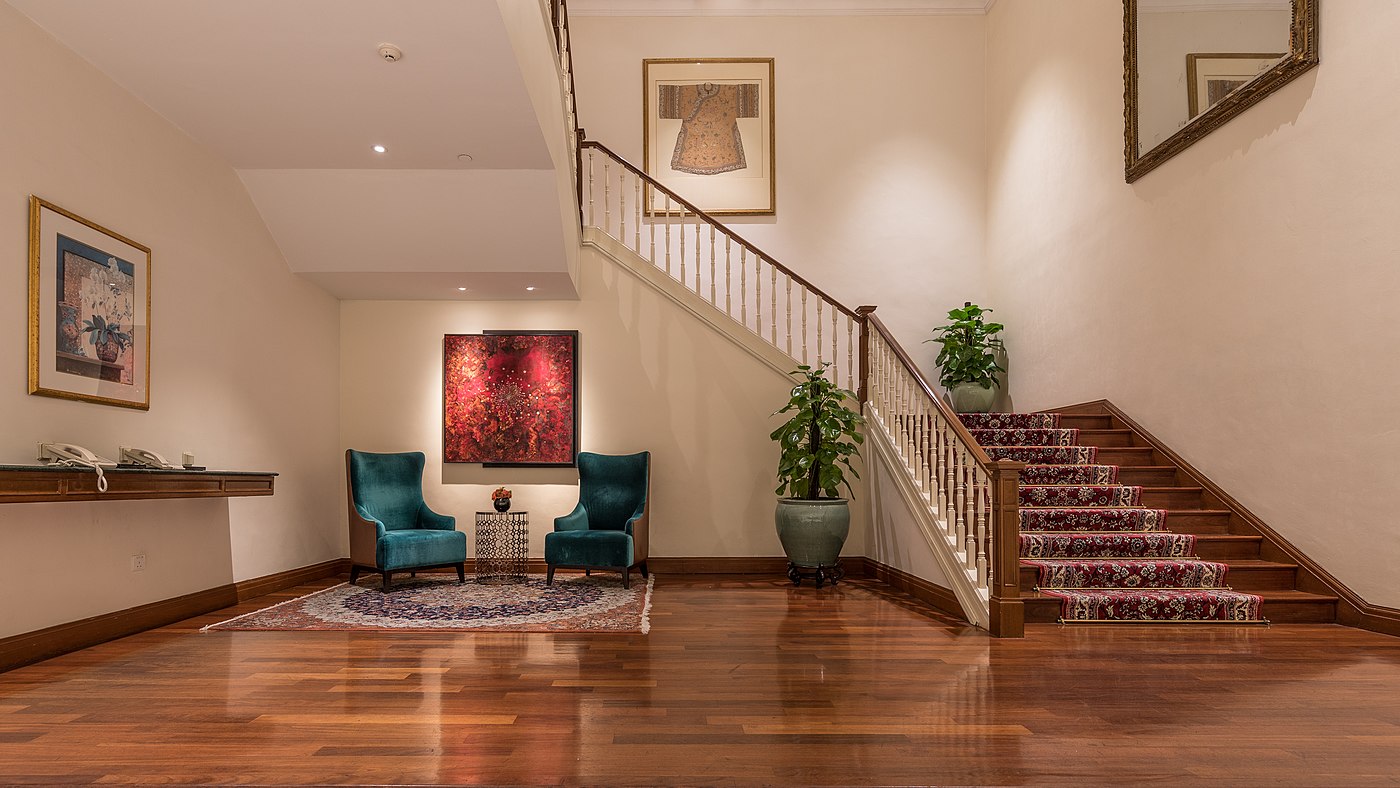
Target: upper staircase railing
(717, 264)
(972, 499)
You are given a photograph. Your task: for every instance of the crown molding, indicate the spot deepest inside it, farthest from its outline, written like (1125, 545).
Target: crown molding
(778, 7)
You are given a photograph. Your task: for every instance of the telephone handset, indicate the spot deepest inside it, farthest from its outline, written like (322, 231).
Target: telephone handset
(133, 456)
(68, 454)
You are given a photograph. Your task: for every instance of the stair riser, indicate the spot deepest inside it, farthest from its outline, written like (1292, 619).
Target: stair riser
(1226, 551)
(1127, 457)
(1154, 477)
(1047, 611)
(1198, 523)
(1254, 580)
(1086, 422)
(1105, 438)
(1171, 499)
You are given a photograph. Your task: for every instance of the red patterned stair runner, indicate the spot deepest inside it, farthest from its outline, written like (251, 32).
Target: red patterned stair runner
(1092, 544)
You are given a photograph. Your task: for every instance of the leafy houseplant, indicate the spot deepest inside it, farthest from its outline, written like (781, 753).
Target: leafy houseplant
(817, 443)
(967, 359)
(108, 338)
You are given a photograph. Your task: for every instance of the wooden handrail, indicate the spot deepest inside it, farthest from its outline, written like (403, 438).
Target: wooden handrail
(978, 455)
(689, 207)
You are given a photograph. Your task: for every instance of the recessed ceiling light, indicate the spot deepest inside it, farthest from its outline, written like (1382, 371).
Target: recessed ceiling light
(463, 289)
(379, 148)
(464, 157)
(531, 288)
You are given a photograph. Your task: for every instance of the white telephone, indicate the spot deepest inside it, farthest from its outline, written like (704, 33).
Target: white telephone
(68, 454)
(134, 456)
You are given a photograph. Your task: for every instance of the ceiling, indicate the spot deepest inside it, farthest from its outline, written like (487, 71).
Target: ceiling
(294, 95)
(776, 7)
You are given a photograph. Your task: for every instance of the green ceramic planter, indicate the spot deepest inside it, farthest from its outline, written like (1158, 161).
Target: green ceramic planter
(813, 532)
(972, 398)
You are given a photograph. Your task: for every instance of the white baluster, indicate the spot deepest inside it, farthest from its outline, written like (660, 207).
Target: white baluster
(607, 196)
(982, 507)
(651, 228)
(622, 205)
(971, 540)
(743, 285)
(789, 314)
(727, 279)
(950, 483)
(591, 189)
(668, 235)
(697, 253)
(637, 236)
(680, 229)
(835, 367)
(851, 350)
(819, 328)
(712, 265)
(804, 324)
(773, 313)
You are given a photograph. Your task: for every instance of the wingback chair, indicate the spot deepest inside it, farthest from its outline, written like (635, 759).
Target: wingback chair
(391, 527)
(608, 528)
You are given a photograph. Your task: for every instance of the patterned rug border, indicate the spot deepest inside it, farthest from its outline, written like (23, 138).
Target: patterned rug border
(645, 623)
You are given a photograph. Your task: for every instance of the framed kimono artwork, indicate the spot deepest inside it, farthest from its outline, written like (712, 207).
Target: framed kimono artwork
(707, 127)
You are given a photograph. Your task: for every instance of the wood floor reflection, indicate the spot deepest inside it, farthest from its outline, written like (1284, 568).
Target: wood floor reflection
(741, 681)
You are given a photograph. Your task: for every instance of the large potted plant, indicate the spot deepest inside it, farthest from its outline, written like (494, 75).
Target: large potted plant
(817, 444)
(968, 358)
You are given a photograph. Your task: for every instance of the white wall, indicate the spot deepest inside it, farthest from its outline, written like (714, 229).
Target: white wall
(880, 146)
(652, 377)
(244, 355)
(1239, 301)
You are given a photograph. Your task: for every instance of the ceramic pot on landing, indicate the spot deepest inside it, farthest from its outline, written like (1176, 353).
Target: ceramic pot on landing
(972, 398)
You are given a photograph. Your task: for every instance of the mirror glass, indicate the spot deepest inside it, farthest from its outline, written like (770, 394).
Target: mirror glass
(1193, 64)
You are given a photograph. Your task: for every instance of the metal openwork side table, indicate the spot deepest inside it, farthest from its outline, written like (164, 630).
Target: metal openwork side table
(502, 546)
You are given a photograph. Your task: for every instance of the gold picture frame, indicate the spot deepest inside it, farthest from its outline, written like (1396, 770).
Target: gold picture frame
(89, 310)
(1214, 75)
(708, 133)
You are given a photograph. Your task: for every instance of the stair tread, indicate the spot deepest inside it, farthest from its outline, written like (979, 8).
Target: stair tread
(1274, 594)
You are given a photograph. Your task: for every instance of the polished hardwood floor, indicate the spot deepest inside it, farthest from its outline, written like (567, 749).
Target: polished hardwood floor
(741, 681)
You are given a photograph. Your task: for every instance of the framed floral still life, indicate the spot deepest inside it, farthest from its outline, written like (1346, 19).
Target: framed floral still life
(510, 398)
(89, 311)
(707, 127)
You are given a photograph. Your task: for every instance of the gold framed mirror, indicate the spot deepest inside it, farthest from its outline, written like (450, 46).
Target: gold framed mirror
(1189, 67)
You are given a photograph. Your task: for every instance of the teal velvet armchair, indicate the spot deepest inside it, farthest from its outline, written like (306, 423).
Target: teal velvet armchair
(608, 528)
(391, 527)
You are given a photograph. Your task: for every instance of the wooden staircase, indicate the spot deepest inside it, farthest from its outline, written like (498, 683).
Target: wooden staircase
(1224, 530)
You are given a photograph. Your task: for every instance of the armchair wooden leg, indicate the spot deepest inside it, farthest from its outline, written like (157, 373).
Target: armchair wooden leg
(626, 577)
(461, 573)
(354, 574)
(644, 570)
(588, 573)
(385, 575)
(549, 575)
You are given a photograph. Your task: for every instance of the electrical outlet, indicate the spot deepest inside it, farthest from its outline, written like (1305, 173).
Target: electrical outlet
(138, 562)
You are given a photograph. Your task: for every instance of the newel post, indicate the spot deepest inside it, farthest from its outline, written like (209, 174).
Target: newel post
(864, 313)
(1006, 614)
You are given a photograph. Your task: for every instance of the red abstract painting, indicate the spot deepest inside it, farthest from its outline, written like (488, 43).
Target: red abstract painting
(510, 398)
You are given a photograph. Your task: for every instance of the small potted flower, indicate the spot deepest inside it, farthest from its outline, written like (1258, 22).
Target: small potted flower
(500, 498)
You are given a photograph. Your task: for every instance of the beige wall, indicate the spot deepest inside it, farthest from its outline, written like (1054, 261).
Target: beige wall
(880, 145)
(652, 377)
(244, 355)
(1240, 301)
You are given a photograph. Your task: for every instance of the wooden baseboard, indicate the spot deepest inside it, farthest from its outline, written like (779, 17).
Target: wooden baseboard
(268, 584)
(929, 593)
(29, 647)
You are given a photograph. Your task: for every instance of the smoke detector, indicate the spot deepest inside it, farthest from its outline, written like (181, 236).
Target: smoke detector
(390, 53)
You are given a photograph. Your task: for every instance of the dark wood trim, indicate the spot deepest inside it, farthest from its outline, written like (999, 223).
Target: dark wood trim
(862, 394)
(931, 594)
(56, 484)
(29, 647)
(687, 206)
(1352, 610)
(279, 581)
(1006, 612)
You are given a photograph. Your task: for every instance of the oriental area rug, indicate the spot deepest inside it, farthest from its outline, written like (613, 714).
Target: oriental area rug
(1092, 544)
(438, 603)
